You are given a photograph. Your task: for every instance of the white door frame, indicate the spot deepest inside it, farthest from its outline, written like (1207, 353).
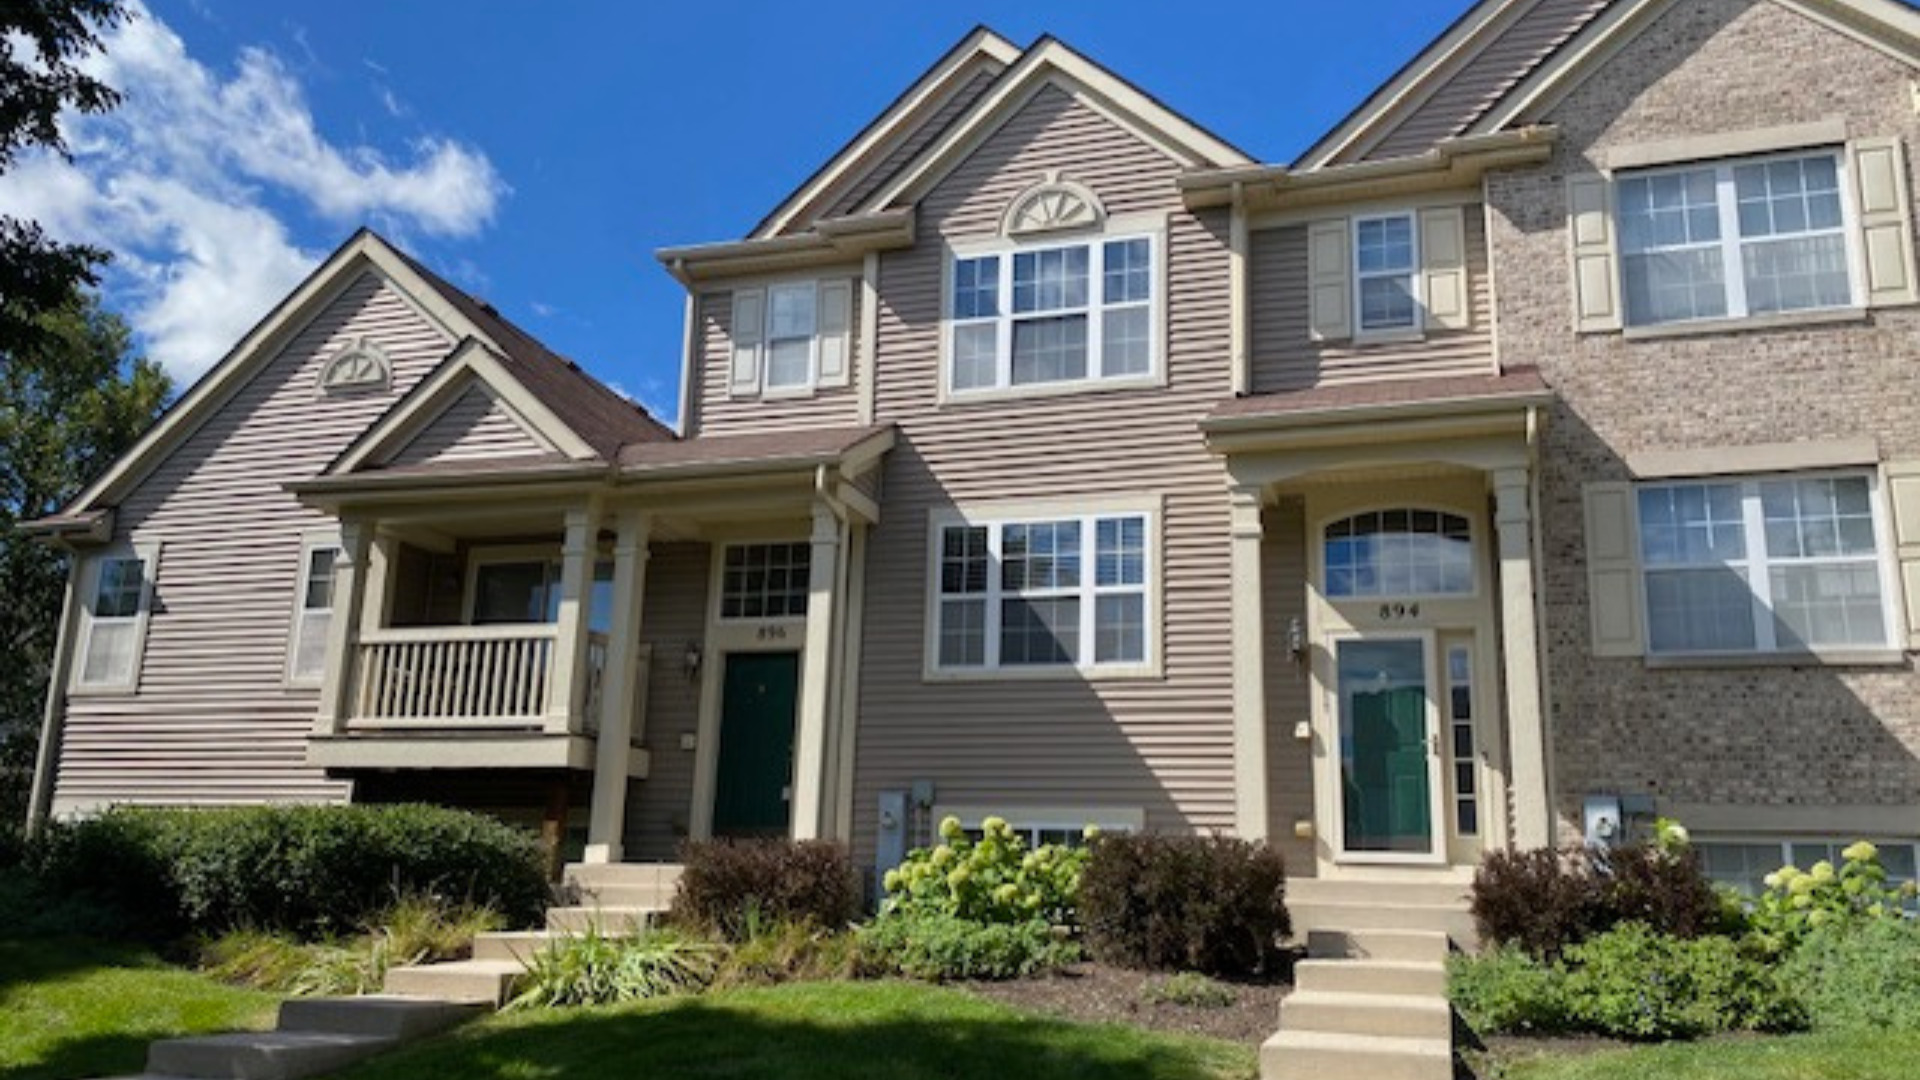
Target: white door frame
(1333, 808)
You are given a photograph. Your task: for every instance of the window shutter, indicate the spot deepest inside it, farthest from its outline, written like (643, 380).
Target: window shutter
(1903, 486)
(1329, 280)
(836, 316)
(1443, 268)
(1885, 221)
(1596, 274)
(1613, 570)
(748, 330)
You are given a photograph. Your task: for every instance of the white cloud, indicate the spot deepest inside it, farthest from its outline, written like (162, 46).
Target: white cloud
(188, 182)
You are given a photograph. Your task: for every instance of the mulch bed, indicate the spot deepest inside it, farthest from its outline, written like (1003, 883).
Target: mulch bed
(1097, 993)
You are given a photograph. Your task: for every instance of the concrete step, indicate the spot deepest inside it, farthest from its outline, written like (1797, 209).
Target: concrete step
(475, 982)
(616, 921)
(591, 875)
(261, 1055)
(647, 896)
(1455, 922)
(378, 1016)
(1378, 944)
(517, 946)
(1400, 1016)
(1419, 891)
(1317, 1055)
(1372, 976)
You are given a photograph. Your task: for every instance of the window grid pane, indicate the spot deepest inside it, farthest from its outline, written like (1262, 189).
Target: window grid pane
(118, 594)
(766, 581)
(1384, 261)
(1031, 317)
(319, 582)
(1030, 594)
(1401, 552)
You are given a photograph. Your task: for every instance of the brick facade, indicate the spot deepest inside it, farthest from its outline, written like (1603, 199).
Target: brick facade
(1772, 736)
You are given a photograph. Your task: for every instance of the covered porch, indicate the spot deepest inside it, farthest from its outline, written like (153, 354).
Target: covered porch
(1388, 710)
(578, 623)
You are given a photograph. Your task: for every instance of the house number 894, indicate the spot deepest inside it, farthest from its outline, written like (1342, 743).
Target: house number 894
(773, 633)
(1390, 612)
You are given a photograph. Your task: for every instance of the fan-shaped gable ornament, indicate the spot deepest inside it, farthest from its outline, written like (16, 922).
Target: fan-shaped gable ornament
(360, 366)
(1053, 205)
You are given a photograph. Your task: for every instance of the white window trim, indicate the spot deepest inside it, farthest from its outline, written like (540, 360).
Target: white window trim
(1765, 644)
(993, 517)
(148, 553)
(311, 542)
(806, 388)
(1727, 204)
(1151, 229)
(1416, 331)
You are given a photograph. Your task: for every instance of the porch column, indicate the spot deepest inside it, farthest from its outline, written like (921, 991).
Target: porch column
(1249, 665)
(383, 557)
(567, 692)
(607, 826)
(816, 677)
(343, 629)
(1520, 655)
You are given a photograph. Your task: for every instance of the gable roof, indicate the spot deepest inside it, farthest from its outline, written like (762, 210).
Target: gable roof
(1490, 48)
(1503, 61)
(1051, 62)
(600, 418)
(888, 141)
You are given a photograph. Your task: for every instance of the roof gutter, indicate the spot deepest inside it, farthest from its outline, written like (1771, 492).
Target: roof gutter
(1463, 405)
(69, 529)
(1450, 162)
(829, 241)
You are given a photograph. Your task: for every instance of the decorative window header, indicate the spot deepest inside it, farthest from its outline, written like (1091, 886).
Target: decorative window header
(1053, 205)
(362, 365)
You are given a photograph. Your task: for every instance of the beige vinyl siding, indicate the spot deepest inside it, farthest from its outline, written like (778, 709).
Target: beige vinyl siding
(676, 613)
(1289, 759)
(1159, 744)
(212, 720)
(716, 412)
(1479, 85)
(910, 147)
(1286, 358)
(475, 427)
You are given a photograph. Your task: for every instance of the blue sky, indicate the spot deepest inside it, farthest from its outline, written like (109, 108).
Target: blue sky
(539, 153)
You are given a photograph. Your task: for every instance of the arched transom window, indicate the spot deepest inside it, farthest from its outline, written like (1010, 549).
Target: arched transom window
(1399, 552)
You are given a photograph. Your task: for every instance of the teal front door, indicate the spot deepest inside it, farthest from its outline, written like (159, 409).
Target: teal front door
(757, 705)
(1385, 750)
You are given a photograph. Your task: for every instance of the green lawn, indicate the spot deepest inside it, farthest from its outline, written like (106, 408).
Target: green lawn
(75, 1008)
(804, 1031)
(1879, 1056)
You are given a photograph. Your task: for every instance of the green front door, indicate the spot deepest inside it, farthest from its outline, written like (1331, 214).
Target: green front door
(1385, 763)
(757, 705)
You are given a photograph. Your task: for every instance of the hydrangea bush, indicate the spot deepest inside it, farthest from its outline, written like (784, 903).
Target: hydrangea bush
(995, 879)
(1798, 902)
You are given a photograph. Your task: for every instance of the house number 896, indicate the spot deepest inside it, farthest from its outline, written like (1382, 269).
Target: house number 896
(1399, 611)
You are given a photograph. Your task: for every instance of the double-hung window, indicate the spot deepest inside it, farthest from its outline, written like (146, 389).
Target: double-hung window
(312, 611)
(1046, 592)
(1059, 314)
(1734, 239)
(1772, 564)
(1386, 273)
(116, 596)
(790, 336)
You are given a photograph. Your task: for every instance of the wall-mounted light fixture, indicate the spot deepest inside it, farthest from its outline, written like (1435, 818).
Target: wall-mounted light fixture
(1296, 638)
(690, 662)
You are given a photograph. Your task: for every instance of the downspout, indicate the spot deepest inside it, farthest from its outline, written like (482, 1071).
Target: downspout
(684, 422)
(1237, 288)
(53, 723)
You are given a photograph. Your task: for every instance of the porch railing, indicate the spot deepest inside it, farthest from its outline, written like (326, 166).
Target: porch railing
(463, 677)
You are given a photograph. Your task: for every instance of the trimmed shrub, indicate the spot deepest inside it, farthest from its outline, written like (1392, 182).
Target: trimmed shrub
(1634, 983)
(594, 969)
(1505, 991)
(941, 948)
(995, 879)
(1210, 904)
(1859, 976)
(728, 887)
(311, 871)
(1547, 900)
